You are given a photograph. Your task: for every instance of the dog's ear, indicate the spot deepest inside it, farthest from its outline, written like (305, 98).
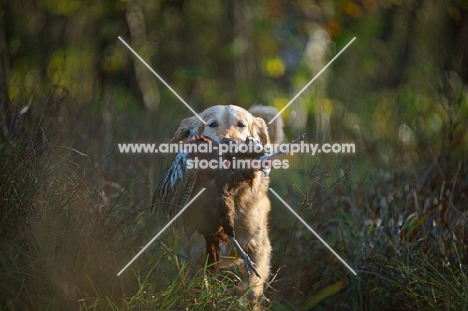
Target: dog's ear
(260, 129)
(192, 123)
(275, 129)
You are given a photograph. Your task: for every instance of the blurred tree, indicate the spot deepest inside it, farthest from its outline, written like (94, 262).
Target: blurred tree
(146, 81)
(245, 67)
(4, 68)
(243, 52)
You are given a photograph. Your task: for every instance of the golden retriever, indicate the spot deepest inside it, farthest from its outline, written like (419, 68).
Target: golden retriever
(252, 204)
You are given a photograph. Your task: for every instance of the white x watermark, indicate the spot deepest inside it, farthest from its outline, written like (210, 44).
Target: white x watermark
(160, 232)
(162, 80)
(193, 199)
(310, 82)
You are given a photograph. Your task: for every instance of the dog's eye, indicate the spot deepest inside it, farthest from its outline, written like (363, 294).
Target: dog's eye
(241, 124)
(213, 124)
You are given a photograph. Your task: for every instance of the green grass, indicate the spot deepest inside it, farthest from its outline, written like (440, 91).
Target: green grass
(70, 220)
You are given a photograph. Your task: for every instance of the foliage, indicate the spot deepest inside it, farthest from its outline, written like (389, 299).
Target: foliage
(74, 211)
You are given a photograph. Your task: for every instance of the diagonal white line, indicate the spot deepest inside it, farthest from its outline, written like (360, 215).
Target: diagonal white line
(313, 79)
(312, 230)
(159, 77)
(160, 232)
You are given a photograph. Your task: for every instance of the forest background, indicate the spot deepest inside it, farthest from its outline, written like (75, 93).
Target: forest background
(74, 211)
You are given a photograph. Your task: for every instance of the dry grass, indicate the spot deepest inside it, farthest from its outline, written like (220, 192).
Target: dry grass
(70, 220)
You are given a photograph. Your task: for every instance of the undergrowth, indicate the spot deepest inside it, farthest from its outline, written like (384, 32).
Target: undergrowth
(70, 220)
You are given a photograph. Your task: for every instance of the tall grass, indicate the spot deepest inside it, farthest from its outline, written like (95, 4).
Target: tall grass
(60, 242)
(72, 215)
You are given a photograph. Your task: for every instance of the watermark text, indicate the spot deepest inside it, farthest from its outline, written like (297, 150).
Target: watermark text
(234, 148)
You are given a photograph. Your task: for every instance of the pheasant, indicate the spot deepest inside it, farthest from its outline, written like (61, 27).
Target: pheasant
(212, 214)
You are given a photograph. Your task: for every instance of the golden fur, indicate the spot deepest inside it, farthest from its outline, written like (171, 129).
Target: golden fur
(252, 204)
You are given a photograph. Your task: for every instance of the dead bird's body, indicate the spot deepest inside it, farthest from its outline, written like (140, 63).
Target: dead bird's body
(213, 213)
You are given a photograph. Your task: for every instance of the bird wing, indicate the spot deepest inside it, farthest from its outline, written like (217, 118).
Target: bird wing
(176, 186)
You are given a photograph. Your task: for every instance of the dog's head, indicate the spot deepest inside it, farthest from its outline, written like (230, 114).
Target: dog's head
(231, 122)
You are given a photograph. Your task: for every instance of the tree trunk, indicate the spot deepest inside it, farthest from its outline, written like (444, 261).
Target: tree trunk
(244, 66)
(5, 119)
(146, 80)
